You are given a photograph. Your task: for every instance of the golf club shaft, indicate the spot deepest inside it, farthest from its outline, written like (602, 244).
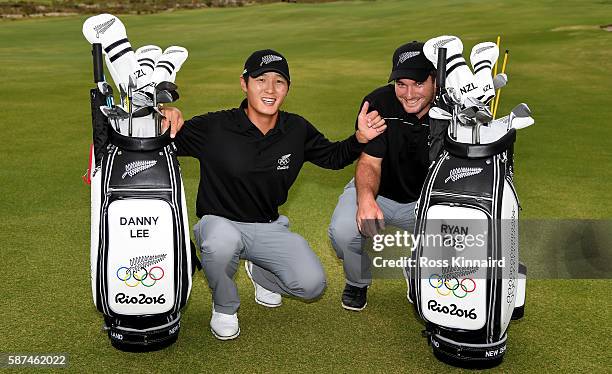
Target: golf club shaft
(495, 70)
(499, 90)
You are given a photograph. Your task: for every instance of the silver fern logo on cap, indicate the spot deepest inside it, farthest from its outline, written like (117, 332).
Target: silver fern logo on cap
(458, 173)
(407, 55)
(101, 28)
(269, 58)
(136, 167)
(482, 49)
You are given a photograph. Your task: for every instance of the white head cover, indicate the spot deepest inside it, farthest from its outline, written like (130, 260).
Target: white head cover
(168, 64)
(483, 57)
(147, 57)
(109, 31)
(458, 74)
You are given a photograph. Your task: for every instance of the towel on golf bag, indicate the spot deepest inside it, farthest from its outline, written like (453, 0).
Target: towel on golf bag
(463, 290)
(142, 259)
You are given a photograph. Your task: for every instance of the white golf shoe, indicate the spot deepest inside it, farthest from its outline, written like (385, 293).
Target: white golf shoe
(224, 326)
(263, 296)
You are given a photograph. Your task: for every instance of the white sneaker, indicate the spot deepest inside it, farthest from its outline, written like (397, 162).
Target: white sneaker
(224, 326)
(263, 296)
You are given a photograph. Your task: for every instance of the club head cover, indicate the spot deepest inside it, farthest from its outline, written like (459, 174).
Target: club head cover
(483, 57)
(109, 31)
(147, 57)
(168, 64)
(458, 74)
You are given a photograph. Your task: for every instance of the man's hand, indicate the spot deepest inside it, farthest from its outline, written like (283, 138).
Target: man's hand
(173, 119)
(369, 125)
(370, 219)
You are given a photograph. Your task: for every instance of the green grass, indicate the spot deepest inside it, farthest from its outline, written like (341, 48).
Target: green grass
(560, 64)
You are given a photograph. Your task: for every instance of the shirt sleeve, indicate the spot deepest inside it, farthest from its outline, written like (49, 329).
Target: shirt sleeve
(327, 154)
(192, 136)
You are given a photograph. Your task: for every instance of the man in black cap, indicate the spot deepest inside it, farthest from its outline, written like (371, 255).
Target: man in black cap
(249, 158)
(390, 172)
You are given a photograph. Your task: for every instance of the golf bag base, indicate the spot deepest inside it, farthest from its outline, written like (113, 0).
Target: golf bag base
(467, 308)
(133, 338)
(466, 356)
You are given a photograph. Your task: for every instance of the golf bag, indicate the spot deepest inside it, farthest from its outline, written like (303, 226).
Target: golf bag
(466, 282)
(142, 259)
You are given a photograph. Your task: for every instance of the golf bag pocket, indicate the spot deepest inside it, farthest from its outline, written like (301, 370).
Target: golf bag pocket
(141, 254)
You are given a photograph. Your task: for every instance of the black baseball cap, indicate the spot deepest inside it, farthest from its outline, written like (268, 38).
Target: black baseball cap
(410, 62)
(263, 61)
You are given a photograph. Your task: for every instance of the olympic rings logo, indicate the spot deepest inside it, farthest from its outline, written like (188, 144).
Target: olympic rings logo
(459, 288)
(141, 276)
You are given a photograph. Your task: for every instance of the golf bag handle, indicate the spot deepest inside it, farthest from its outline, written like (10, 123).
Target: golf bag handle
(464, 150)
(98, 67)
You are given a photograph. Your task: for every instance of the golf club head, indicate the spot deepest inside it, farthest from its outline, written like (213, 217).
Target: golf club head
(142, 112)
(141, 99)
(109, 31)
(166, 86)
(147, 57)
(522, 122)
(114, 112)
(500, 81)
(483, 117)
(458, 74)
(164, 97)
(521, 110)
(168, 64)
(483, 57)
(440, 114)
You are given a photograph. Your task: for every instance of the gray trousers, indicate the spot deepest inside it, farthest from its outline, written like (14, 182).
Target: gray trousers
(348, 241)
(282, 260)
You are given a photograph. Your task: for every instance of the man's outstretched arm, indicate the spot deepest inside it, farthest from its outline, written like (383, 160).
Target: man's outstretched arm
(367, 180)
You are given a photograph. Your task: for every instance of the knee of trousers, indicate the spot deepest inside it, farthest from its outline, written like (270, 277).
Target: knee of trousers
(220, 247)
(344, 235)
(311, 285)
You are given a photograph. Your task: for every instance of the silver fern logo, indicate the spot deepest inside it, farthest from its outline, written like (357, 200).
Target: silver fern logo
(140, 262)
(101, 28)
(136, 167)
(407, 55)
(480, 50)
(174, 51)
(269, 58)
(147, 50)
(459, 173)
(442, 43)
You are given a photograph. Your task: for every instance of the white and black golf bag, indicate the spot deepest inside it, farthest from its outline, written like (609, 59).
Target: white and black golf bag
(467, 283)
(142, 259)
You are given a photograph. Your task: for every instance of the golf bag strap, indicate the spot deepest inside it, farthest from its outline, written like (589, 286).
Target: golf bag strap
(139, 144)
(464, 150)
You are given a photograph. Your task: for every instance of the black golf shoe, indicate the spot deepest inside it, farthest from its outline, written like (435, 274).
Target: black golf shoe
(354, 298)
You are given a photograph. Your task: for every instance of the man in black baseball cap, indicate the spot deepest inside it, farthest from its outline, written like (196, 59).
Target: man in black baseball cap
(249, 158)
(390, 171)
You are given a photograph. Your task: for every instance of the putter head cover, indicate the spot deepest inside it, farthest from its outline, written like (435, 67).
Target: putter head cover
(483, 57)
(168, 64)
(147, 57)
(109, 31)
(458, 74)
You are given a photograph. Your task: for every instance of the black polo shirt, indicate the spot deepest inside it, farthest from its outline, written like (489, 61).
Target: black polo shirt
(403, 147)
(245, 175)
